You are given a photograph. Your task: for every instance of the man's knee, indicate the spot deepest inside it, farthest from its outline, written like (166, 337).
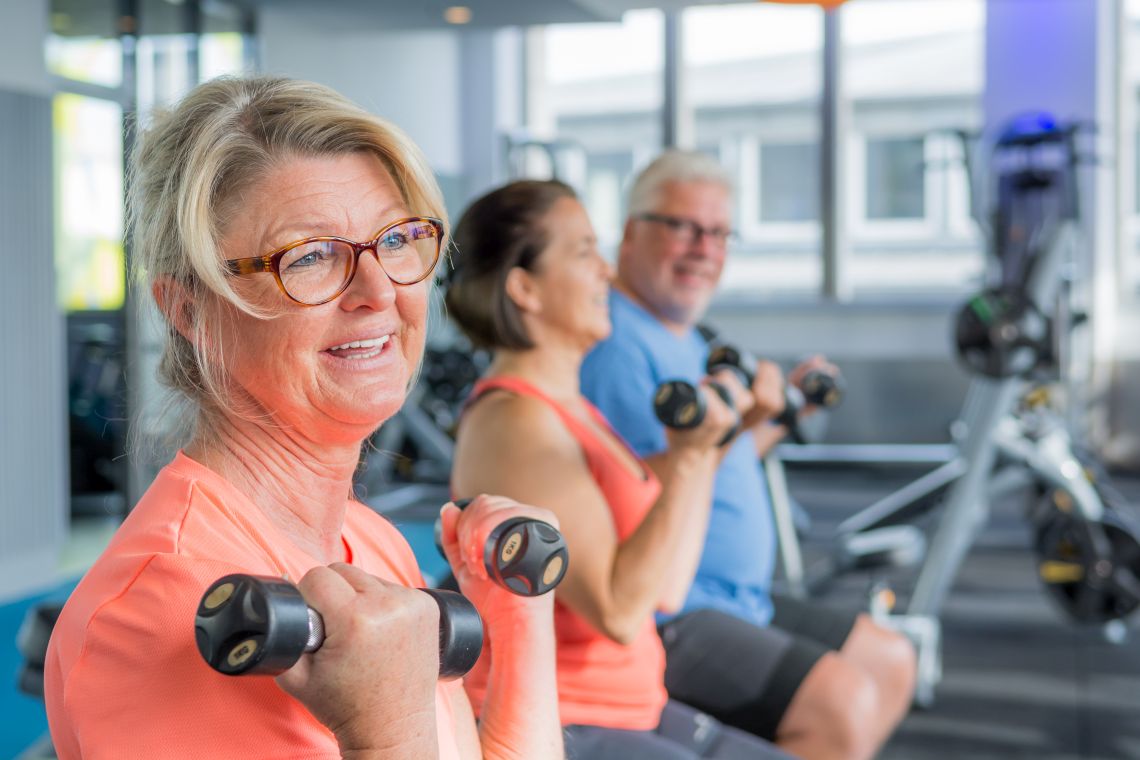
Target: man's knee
(888, 655)
(839, 701)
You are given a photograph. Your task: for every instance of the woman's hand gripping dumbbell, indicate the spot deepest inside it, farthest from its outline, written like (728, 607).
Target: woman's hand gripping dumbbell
(261, 625)
(523, 555)
(680, 405)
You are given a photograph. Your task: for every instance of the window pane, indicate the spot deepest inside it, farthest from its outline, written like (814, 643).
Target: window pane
(751, 89)
(789, 182)
(911, 72)
(607, 106)
(164, 55)
(896, 179)
(84, 42)
(1130, 111)
(90, 269)
(221, 46)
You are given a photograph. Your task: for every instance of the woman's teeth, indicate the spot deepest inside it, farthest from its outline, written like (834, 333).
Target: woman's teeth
(361, 349)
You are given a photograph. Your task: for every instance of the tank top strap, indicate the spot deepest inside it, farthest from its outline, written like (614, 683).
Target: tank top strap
(517, 385)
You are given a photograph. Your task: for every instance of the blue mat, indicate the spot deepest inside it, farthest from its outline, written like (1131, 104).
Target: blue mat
(421, 536)
(22, 718)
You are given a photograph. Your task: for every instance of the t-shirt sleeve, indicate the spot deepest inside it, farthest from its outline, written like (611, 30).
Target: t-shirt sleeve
(139, 687)
(619, 378)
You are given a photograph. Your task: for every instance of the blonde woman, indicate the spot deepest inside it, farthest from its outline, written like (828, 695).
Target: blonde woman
(288, 238)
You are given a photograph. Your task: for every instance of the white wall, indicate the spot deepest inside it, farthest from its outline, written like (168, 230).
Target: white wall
(23, 29)
(411, 78)
(33, 397)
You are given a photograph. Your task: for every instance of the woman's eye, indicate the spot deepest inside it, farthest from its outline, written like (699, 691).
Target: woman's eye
(393, 241)
(309, 257)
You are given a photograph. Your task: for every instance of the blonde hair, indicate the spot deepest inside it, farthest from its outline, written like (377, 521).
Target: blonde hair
(674, 165)
(189, 171)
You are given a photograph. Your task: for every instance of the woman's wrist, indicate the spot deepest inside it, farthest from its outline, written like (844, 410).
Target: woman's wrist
(413, 735)
(520, 617)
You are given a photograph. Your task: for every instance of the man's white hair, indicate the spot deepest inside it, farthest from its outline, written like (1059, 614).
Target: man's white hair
(674, 165)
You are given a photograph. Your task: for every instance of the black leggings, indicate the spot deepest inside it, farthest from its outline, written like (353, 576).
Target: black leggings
(682, 734)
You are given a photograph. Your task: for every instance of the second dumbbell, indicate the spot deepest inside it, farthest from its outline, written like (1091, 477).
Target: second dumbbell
(525, 556)
(680, 405)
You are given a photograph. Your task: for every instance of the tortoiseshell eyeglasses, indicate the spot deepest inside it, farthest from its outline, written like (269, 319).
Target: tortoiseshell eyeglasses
(316, 270)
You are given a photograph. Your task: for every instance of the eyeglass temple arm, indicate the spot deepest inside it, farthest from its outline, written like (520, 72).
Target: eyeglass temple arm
(249, 266)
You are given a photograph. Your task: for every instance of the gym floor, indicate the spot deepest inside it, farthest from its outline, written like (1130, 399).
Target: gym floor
(1019, 679)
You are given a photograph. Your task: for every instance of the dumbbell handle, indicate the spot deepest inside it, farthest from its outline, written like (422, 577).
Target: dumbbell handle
(446, 671)
(316, 631)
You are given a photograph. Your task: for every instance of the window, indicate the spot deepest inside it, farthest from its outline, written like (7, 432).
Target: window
(221, 47)
(789, 182)
(751, 87)
(1130, 121)
(750, 91)
(606, 175)
(607, 106)
(911, 73)
(90, 268)
(84, 43)
(896, 175)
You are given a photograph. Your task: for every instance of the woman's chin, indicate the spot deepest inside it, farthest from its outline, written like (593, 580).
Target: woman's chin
(366, 414)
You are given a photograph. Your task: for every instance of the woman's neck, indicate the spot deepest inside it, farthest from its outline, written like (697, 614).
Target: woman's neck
(302, 487)
(553, 370)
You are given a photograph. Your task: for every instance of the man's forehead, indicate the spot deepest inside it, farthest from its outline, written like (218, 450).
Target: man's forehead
(707, 190)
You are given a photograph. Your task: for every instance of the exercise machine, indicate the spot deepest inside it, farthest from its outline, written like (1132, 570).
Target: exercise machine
(1016, 338)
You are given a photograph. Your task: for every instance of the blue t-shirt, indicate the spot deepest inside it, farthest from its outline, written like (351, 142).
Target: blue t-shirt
(619, 377)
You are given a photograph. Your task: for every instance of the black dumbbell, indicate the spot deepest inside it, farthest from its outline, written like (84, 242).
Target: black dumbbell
(817, 387)
(680, 405)
(725, 357)
(525, 556)
(260, 625)
(823, 388)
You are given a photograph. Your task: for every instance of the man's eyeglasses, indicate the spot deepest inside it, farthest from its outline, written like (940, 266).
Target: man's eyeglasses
(316, 270)
(688, 232)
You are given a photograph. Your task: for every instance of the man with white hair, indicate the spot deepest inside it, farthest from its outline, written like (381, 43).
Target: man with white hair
(819, 683)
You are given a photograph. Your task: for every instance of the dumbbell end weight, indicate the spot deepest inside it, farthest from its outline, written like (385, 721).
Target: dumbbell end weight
(528, 557)
(525, 556)
(255, 624)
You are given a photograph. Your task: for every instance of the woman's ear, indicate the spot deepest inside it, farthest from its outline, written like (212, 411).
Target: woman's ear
(176, 304)
(521, 289)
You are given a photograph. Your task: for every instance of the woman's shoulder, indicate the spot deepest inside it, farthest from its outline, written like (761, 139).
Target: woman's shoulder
(506, 418)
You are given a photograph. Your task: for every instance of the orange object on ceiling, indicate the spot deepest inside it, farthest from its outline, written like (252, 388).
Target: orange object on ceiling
(827, 4)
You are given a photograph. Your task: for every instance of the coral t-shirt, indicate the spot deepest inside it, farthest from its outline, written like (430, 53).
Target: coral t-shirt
(600, 682)
(123, 677)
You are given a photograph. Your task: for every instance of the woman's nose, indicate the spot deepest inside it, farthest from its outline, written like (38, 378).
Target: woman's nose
(370, 286)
